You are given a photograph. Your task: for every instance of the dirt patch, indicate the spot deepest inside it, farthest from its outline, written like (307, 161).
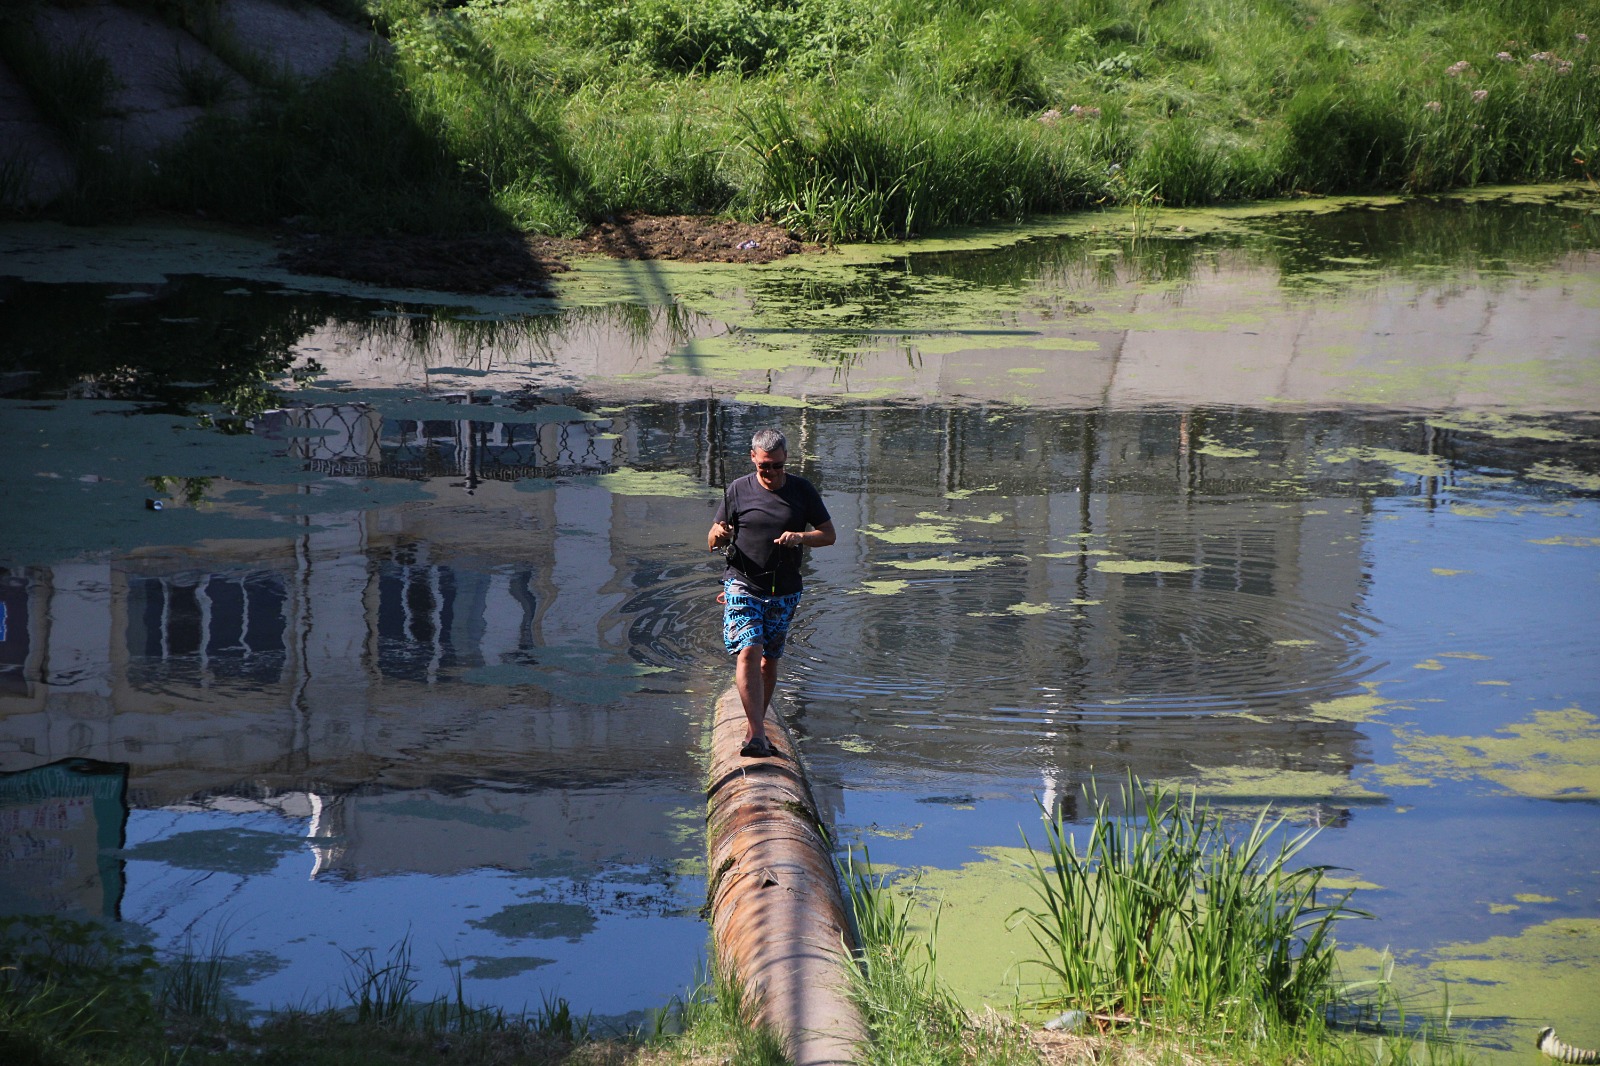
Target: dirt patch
(524, 265)
(689, 238)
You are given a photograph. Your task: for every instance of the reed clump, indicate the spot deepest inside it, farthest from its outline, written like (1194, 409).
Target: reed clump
(1164, 914)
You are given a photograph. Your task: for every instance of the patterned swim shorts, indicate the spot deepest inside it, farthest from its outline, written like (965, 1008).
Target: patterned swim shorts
(748, 618)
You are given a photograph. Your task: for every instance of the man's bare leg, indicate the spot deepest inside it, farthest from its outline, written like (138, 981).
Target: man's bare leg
(750, 678)
(769, 682)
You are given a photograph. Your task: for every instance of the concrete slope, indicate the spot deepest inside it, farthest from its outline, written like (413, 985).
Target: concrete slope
(777, 914)
(154, 66)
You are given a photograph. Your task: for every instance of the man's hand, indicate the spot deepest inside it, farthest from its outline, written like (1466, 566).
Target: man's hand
(789, 539)
(720, 532)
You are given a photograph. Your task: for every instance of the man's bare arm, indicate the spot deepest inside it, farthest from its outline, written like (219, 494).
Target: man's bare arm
(820, 537)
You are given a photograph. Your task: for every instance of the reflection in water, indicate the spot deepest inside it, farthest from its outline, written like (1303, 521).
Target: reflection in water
(1288, 517)
(63, 823)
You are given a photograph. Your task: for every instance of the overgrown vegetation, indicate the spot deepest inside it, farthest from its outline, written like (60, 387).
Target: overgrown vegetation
(1164, 915)
(1168, 936)
(864, 119)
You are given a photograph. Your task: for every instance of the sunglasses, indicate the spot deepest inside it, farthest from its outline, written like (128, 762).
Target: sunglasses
(769, 466)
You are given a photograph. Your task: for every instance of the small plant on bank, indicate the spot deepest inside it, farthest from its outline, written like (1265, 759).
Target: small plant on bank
(1165, 915)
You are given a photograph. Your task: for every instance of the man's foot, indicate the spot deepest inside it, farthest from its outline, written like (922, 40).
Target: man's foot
(757, 748)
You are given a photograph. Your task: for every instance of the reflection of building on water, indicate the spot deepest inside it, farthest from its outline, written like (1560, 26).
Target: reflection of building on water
(317, 658)
(355, 440)
(316, 663)
(61, 826)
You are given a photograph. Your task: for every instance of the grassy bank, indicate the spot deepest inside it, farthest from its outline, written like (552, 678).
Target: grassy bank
(866, 119)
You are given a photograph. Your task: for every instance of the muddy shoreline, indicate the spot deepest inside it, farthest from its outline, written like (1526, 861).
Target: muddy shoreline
(525, 264)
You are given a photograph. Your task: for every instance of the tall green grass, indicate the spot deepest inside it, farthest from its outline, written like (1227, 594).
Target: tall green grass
(1164, 913)
(874, 119)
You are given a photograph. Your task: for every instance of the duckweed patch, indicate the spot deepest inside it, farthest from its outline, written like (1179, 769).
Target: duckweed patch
(1565, 474)
(1547, 974)
(882, 588)
(1291, 792)
(1356, 708)
(952, 566)
(502, 967)
(925, 533)
(1552, 755)
(1143, 566)
(1404, 462)
(241, 852)
(656, 483)
(539, 921)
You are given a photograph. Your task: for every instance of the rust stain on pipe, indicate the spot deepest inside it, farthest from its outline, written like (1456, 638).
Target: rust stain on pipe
(777, 914)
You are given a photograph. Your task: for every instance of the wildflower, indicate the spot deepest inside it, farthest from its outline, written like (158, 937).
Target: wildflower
(1114, 168)
(1053, 116)
(1079, 111)
(1455, 70)
(1505, 57)
(1480, 95)
(1540, 57)
(1583, 38)
(1433, 105)
(1564, 66)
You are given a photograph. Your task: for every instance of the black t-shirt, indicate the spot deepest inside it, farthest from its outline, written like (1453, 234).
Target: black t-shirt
(759, 515)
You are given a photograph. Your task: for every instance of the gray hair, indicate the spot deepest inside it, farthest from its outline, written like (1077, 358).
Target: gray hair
(769, 440)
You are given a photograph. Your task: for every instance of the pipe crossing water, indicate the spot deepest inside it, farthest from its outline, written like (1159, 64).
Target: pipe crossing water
(777, 914)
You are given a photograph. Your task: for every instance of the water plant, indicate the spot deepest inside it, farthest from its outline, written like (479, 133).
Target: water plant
(1166, 914)
(191, 983)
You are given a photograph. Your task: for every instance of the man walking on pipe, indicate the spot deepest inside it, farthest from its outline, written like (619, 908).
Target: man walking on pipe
(762, 523)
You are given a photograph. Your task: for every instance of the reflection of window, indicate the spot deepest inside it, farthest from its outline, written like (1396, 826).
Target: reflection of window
(14, 643)
(433, 618)
(208, 627)
(415, 613)
(496, 449)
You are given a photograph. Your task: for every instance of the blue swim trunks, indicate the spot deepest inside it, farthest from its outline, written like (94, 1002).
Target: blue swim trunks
(749, 618)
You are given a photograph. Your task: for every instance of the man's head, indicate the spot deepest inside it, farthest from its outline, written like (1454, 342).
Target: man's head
(769, 451)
